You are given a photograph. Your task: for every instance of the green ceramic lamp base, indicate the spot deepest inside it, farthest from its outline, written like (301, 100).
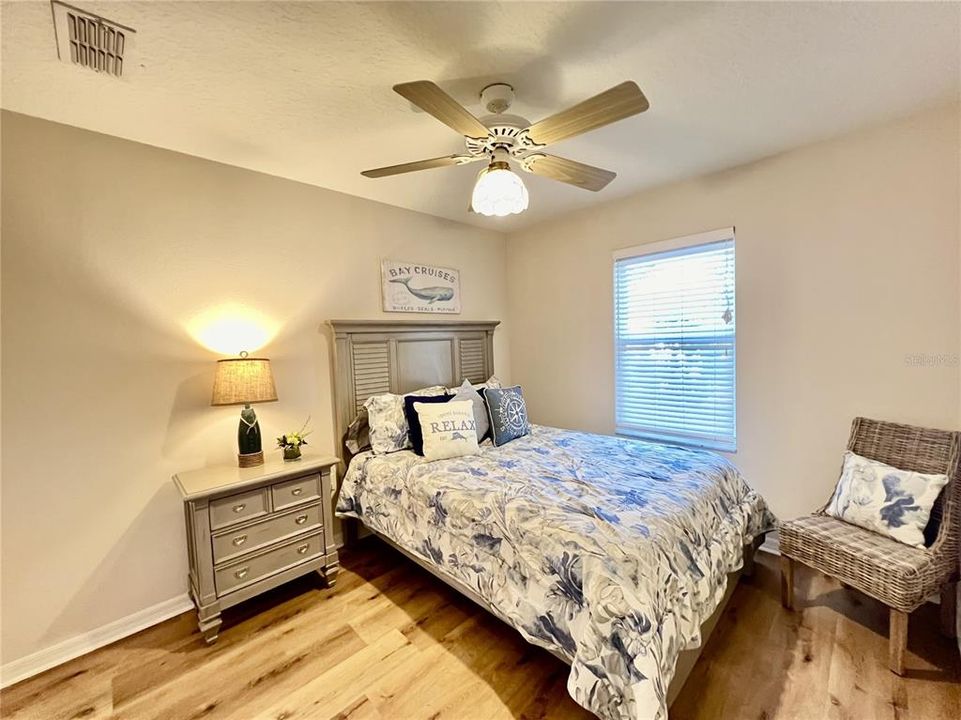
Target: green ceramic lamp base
(249, 444)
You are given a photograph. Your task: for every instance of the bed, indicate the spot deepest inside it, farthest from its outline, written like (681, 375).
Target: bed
(615, 555)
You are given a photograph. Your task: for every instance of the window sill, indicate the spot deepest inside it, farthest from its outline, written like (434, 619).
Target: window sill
(689, 444)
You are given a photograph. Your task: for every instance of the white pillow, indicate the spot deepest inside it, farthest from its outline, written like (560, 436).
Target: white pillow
(387, 422)
(878, 497)
(449, 429)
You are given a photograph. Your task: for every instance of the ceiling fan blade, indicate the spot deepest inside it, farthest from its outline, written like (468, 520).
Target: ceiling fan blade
(619, 102)
(431, 99)
(568, 171)
(445, 161)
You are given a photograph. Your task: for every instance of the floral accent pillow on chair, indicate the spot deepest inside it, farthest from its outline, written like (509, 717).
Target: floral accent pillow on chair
(878, 497)
(388, 424)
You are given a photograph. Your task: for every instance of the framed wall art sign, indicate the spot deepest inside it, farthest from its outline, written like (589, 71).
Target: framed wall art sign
(420, 288)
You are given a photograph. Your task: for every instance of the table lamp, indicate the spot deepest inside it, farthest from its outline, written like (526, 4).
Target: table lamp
(243, 381)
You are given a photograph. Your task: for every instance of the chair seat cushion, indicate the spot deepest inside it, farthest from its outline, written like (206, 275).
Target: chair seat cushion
(898, 575)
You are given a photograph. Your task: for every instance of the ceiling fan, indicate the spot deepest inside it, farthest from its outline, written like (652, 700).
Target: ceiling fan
(500, 137)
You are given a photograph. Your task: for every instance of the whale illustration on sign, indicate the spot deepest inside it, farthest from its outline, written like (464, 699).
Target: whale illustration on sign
(457, 436)
(419, 287)
(437, 293)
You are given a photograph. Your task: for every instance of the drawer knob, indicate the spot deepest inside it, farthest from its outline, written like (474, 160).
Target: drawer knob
(240, 508)
(303, 548)
(297, 491)
(300, 519)
(240, 540)
(242, 573)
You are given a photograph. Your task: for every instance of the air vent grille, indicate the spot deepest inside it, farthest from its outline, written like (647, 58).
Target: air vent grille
(95, 45)
(89, 40)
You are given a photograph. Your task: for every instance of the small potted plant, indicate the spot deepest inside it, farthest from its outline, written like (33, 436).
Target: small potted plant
(291, 442)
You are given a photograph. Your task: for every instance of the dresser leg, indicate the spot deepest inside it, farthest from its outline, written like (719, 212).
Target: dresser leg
(208, 620)
(329, 574)
(210, 628)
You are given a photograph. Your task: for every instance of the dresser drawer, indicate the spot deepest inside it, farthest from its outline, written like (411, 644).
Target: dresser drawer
(296, 492)
(242, 573)
(229, 544)
(237, 508)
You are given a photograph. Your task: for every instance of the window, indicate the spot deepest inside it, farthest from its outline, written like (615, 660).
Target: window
(674, 341)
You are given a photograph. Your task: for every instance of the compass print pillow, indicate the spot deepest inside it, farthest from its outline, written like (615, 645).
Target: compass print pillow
(508, 414)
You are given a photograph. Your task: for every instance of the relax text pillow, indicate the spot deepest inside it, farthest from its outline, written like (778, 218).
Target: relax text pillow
(449, 429)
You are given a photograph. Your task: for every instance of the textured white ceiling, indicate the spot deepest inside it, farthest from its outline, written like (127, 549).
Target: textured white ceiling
(303, 90)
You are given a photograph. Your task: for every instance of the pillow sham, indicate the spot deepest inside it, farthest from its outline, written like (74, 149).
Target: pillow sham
(467, 392)
(507, 413)
(492, 382)
(414, 431)
(358, 433)
(448, 428)
(878, 497)
(385, 416)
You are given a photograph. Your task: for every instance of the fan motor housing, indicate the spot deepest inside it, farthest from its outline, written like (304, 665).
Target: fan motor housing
(504, 131)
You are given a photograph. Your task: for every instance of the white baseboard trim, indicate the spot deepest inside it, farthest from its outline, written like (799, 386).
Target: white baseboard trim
(22, 668)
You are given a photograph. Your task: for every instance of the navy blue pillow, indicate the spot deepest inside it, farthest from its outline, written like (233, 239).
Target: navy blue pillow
(413, 421)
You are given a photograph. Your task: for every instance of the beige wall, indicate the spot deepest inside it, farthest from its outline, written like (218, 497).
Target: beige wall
(847, 263)
(111, 252)
(114, 253)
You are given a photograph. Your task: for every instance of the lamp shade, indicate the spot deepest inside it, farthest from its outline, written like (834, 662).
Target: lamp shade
(499, 191)
(243, 380)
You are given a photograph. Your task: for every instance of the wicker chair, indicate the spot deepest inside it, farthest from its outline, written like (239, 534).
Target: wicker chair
(900, 576)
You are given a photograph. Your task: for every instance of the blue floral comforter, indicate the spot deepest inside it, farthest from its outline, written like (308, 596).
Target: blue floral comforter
(611, 552)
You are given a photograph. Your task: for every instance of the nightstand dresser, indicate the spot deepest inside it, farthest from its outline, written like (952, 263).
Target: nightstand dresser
(252, 529)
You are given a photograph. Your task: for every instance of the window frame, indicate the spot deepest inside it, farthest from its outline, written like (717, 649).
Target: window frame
(710, 237)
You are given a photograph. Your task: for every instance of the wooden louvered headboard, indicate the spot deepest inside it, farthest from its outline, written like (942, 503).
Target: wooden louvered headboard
(378, 356)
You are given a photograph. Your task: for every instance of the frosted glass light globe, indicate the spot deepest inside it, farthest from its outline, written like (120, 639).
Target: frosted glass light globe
(499, 192)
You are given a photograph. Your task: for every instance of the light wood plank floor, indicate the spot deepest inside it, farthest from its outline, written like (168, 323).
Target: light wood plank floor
(392, 642)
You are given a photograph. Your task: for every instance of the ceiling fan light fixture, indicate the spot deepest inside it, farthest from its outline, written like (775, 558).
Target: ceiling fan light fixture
(499, 191)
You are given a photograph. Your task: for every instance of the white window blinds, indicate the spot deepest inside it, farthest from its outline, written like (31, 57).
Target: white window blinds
(674, 335)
